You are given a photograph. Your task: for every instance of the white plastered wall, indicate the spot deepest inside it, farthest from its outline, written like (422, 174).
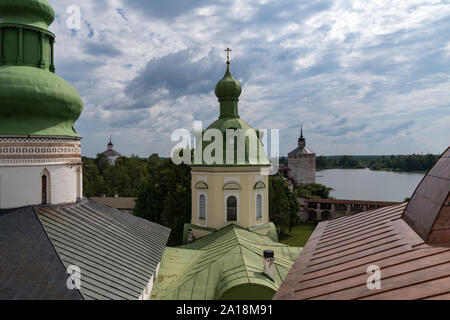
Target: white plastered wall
(22, 185)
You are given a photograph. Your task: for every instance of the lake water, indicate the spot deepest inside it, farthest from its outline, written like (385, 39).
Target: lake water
(364, 184)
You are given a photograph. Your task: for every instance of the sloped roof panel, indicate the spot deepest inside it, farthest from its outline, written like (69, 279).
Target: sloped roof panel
(30, 269)
(116, 252)
(429, 196)
(213, 265)
(333, 264)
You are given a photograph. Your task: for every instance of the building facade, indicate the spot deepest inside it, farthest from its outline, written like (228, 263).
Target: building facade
(40, 152)
(302, 163)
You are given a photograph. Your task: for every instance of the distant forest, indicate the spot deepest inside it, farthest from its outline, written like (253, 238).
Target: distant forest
(409, 163)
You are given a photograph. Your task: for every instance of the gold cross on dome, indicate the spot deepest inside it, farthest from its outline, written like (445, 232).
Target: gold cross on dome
(228, 50)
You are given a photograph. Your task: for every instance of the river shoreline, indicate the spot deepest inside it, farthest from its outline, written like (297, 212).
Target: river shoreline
(383, 169)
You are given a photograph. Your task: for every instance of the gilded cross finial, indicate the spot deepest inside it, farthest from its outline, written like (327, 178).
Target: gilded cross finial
(228, 50)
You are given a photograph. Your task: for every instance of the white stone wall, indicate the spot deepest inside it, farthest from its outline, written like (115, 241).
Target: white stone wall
(23, 161)
(22, 185)
(303, 168)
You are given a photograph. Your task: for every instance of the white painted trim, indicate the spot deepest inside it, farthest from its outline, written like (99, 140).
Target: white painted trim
(259, 178)
(58, 162)
(227, 194)
(232, 179)
(200, 222)
(202, 179)
(147, 292)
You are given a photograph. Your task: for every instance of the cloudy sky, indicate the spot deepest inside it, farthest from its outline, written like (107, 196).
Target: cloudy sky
(364, 77)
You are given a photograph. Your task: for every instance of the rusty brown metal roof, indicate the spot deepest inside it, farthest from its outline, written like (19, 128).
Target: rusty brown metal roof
(359, 202)
(426, 202)
(122, 203)
(414, 264)
(333, 264)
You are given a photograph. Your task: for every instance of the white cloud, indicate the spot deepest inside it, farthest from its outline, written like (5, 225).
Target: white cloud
(374, 62)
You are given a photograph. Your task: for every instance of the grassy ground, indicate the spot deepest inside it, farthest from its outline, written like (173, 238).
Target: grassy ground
(298, 236)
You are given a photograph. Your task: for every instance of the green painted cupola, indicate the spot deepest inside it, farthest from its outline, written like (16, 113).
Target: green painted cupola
(228, 91)
(38, 13)
(33, 99)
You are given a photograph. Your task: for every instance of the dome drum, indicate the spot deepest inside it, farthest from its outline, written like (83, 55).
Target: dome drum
(18, 45)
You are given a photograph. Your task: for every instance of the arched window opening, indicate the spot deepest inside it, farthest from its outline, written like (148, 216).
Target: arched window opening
(232, 209)
(258, 207)
(44, 189)
(202, 207)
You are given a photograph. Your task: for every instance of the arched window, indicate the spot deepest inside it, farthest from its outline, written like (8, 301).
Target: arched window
(259, 206)
(202, 207)
(232, 209)
(44, 189)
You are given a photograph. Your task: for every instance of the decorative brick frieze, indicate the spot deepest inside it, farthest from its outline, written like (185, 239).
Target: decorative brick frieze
(28, 151)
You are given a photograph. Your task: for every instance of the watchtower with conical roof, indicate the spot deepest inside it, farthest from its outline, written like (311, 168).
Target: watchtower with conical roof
(40, 151)
(231, 187)
(302, 163)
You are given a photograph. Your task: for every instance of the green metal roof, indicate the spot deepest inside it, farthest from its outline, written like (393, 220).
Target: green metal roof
(228, 90)
(33, 100)
(38, 13)
(227, 264)
(37, 102)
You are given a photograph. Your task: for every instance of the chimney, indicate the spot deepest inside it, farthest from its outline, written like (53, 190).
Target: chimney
(269, 264)
(190, 236)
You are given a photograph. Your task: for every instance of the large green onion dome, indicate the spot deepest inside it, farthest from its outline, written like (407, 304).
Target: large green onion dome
(33, 99)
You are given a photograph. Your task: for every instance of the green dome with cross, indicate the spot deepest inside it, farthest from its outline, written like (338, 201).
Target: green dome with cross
(228, 91)
(33, 99)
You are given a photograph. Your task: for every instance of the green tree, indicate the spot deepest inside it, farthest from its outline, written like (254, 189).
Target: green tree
(283, 206)
(93, 183)
(165, 197)
(313, 191)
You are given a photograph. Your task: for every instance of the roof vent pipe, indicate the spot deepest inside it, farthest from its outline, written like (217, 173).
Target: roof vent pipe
(190, 236)
(269, 264)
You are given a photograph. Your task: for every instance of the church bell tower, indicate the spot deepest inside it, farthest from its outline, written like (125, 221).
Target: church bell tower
(233, 192)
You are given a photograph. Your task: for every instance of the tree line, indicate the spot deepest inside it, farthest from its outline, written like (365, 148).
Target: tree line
(163, 191)
(409, 163)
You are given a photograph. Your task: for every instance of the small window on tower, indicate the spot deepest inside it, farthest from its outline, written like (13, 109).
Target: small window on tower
(202, 207)
(44, 189)
(258, 207)
(232, 209)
